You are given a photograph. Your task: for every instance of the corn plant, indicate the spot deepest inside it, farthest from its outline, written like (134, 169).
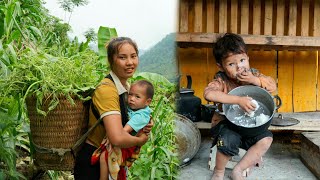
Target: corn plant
(158, 157)
(10, 137)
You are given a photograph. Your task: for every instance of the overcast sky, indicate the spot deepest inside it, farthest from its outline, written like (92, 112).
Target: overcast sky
(145, 21)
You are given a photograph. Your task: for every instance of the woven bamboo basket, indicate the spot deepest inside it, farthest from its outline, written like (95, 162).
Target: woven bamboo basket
(54, 135)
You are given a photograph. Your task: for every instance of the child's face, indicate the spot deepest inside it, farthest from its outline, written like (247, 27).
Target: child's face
(137, 98)
(235, 64)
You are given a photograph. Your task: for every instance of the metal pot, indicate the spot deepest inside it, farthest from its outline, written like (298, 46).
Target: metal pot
(245, 124)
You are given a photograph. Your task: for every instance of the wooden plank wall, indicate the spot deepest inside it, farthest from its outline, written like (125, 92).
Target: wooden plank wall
(296, 72)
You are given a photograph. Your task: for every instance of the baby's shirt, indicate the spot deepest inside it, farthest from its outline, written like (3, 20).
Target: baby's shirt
(139, 118)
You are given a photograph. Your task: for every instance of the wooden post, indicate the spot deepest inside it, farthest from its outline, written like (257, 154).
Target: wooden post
(222, 16)
(257, 17)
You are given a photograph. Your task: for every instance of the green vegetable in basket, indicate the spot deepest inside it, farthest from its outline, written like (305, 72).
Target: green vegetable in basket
(45, 77)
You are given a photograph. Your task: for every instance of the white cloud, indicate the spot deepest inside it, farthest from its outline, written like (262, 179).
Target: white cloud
(145, 21)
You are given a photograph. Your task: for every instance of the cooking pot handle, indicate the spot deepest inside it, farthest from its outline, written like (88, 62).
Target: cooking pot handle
(278, 100)
(216, 107)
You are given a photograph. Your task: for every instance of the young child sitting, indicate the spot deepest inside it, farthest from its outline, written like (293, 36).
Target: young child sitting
(233, 62)
(114, 159)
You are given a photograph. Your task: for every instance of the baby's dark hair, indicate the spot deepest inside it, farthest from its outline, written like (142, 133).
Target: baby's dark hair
(150, 88)
(228, 44)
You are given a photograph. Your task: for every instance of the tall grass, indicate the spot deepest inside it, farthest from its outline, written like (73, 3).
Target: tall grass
(158, 157)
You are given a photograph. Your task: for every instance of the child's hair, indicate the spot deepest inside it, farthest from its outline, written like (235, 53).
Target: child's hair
(228, 44)
(115, 44)
(150, 88)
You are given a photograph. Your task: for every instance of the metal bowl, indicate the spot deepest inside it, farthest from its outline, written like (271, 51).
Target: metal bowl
(188, 138)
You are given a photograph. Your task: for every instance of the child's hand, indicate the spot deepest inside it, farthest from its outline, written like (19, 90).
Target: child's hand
(246, 104)
(247, 77)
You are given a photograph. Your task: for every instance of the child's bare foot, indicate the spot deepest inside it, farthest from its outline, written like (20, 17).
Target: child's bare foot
(217, 174)
(237, 174)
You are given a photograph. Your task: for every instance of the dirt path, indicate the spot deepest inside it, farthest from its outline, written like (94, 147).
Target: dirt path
(282, 161)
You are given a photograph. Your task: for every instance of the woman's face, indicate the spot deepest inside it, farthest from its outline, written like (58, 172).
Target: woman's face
(235, 64)
(125, 62)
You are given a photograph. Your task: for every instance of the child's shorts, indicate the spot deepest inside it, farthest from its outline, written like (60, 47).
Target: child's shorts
(229, 141)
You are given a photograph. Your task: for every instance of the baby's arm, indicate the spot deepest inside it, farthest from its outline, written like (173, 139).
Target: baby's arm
(127, 128)
(137, 122)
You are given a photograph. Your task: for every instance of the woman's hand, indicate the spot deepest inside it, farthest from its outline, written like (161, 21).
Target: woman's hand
(246, 104)
(148, 127)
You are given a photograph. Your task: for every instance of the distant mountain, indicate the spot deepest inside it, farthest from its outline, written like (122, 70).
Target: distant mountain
(141, 52)
(161, 58)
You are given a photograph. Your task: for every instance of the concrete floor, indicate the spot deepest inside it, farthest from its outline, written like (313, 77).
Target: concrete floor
(282, 161)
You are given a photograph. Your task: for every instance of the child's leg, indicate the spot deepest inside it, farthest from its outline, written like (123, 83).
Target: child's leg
(221, 162)
(252, 156)
(104, 173)
(228, 143)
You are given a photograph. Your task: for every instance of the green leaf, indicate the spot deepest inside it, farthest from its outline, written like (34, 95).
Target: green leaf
(154, 77)
(105, 34)
(15, 36)
(35, 31)
(12, 54)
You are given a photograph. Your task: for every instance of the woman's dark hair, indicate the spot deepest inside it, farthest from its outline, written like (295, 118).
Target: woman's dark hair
(115, 44)
(228, 44)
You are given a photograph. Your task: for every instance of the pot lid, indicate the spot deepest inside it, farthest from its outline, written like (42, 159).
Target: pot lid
(186, 90)
(284, 121)
(188, 139)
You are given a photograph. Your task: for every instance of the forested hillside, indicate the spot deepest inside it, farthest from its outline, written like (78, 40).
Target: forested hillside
(161, 58)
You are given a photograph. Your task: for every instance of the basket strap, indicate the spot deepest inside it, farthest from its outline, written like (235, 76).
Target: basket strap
(59, 151)
(84, 137)
(124, 116)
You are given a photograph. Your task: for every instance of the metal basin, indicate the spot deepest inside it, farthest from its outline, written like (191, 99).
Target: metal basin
(267, 106)
(188, 138)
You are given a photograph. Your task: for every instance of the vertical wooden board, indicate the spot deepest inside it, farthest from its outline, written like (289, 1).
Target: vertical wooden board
(244, 23)
(193, 61)
(268, 17)
(256, 17)
(198, 16)
(212, 67)
(280, 17)
(264, 61)
(191, 15)
(234, 16)
(316, 22)
(305, 18)
(285, 80)
(318, 89)
(292, 18)
(183, 23)
(311, 18)
(304, 81)
(222, 16)
(210, 16)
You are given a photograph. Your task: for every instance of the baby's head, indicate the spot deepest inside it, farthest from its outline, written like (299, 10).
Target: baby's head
(230, 53)
(140, 94)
